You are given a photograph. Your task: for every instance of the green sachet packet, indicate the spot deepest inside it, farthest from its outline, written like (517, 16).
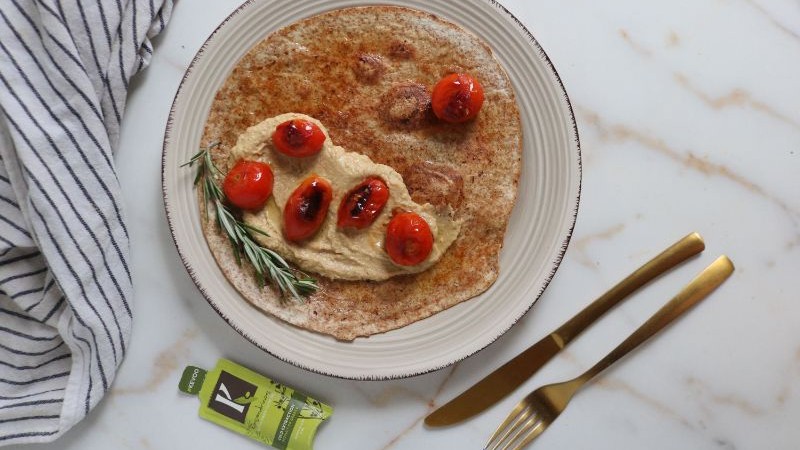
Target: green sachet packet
(251, 404)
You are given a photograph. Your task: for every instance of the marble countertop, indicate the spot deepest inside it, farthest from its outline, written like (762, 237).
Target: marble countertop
(689, 121)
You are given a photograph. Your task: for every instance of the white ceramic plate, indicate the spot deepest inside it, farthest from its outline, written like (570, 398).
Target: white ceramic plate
(538, 233)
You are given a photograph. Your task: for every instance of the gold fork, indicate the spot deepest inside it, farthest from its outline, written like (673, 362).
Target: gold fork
(541, 407)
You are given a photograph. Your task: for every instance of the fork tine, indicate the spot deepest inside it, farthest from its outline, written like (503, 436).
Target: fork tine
(522, 428)
(533, 433)
(509, 418)
(515, 418)
(515, 428)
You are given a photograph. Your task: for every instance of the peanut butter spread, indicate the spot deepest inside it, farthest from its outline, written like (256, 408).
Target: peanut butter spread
(333, 252)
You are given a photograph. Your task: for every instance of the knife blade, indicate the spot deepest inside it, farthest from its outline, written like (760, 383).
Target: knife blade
(512, 374)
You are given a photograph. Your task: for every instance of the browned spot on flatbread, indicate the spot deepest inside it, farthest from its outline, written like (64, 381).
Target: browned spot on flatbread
(407, 105)
(474, 167)
(440, 185)
(402, 49)
(369, 67)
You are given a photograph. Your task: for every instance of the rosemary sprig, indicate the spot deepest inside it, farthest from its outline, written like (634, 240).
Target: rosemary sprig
(267, 263)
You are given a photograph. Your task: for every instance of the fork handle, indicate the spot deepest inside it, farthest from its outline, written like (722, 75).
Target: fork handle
(702, 285)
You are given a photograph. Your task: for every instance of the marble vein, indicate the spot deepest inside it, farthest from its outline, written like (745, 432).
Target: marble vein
(704, 389)
(164, 365)
(737, 97)
(652, 402)
(638, 48)
(385, 397)
(620, 133)
(581, 244)
(430, 407)
(773, 20)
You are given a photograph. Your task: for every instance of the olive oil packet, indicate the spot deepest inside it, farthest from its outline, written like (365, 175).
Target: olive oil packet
(253, 405)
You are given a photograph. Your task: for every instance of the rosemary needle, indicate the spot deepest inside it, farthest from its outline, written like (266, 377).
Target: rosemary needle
(266, 263)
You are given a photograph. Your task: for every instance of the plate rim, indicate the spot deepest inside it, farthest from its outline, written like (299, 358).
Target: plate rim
(556, 263)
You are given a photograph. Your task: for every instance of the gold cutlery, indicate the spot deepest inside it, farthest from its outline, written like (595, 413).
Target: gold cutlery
(512, 374)
(541, 407)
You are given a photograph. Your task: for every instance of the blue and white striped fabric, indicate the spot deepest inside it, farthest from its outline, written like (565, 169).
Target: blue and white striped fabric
(65, 279)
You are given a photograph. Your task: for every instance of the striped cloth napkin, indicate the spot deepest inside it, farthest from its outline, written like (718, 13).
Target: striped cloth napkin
(65, 278)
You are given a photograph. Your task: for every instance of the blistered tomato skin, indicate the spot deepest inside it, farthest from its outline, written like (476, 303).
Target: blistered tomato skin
(248, 184)
(457, 98)
(298, 138)
(409, 239)
(362, 205)
(306, 208)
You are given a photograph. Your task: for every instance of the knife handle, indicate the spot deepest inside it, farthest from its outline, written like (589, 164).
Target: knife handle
(678, 252)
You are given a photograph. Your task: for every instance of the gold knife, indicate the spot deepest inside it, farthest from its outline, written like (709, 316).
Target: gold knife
(510, 375)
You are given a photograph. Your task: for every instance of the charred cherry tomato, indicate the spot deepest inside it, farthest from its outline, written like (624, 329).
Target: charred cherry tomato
(408, 239)
(298, 138)
(248, 184)
(362, 205)
(457, 98)
(306, 208)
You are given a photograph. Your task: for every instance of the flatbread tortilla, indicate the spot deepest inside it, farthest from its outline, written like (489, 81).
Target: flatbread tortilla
(366, 73)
